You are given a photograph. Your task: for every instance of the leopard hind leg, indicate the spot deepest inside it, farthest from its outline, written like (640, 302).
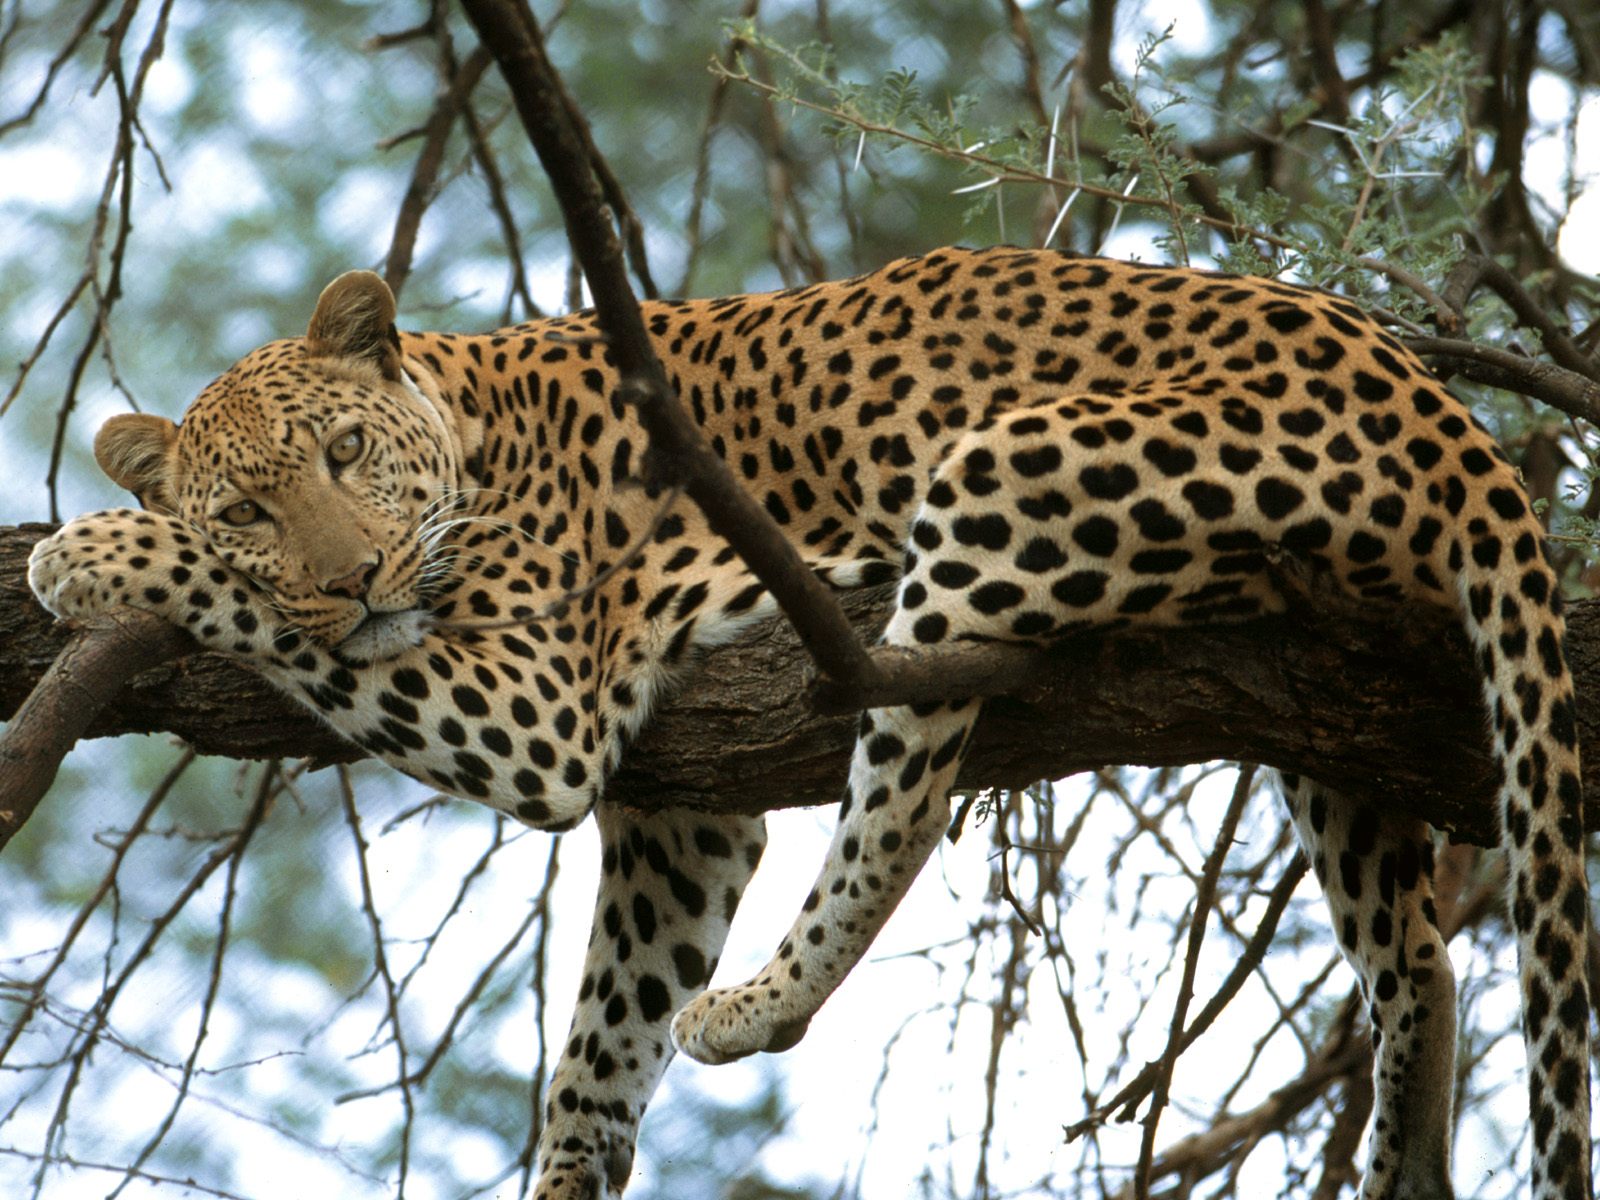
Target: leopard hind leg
(669, 885)
(1376, 872)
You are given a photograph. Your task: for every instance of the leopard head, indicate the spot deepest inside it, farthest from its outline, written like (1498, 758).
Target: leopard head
(321, 468)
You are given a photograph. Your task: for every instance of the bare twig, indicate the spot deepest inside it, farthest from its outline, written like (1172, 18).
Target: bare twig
(1476, 269)
(458, 83)
(1205, 896)
(86, 21)
(380, 963)
(1134, 1092)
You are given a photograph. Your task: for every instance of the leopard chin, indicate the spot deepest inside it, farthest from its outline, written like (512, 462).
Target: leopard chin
(383, 636)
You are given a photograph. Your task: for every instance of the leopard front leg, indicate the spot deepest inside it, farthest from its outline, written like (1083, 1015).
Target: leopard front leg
(669, 886)
(894, 812)
(155, 562)
(437, 710)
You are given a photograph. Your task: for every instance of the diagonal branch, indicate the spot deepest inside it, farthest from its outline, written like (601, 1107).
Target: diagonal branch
(678, 452)
(1479, 269)
(421, 190)
(102, 655)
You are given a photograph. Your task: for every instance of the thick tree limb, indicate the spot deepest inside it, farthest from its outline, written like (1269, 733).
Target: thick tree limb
(1324, 692)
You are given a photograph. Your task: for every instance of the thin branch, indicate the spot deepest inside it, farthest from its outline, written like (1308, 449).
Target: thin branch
(87, 21)
(1205, 897)
(421, 190)
(1476, 269)
(380, 961)
(1251, 958)
(1556, 386)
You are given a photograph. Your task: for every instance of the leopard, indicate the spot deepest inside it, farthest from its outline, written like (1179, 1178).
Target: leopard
(446, 546)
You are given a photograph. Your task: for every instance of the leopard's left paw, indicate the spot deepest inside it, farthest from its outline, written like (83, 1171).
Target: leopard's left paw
(730, 1023)
(152, 561)
(584, 1158)
(96, 562)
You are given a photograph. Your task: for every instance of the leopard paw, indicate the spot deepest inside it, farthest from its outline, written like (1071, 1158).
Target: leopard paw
(151, 561)
(731, 1023)
(590, 1164)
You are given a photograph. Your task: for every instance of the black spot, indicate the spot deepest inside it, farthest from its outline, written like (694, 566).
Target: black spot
(1288, 318)
(689, 964)
(1155, 522)
(1372, 389)
(1341, 449)
(1238, 459)
(654, 999)
(1040, 461)
(1388, 510)
(1080, 589)
(1301, 422)
(410, 682)
(911, 773)
(1209, 500)
(1141, 600)
(1306, 537)
(883, 747)
(1424, 453)
(951, 574)
(1106, 483)
(996, 596)
(1364, 548)
(990, 531)
(1170, 460)
(469, 700)
(1041, 554)
(1277, 498)
(1097, 535)
(1507, 503)
(1379, 430)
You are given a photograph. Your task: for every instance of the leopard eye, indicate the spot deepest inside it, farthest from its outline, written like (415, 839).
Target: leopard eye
(242, 512)
(346, 448)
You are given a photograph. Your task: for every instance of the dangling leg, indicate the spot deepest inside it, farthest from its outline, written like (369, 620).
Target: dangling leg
(895, 810)
(669, 885)
(1376, 872)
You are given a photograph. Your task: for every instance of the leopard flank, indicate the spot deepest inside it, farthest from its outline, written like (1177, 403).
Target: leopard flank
(382, 524)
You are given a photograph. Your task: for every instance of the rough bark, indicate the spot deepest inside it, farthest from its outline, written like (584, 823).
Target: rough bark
(1321, 690)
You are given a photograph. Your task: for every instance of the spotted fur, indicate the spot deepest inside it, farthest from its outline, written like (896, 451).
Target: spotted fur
(1033, 443)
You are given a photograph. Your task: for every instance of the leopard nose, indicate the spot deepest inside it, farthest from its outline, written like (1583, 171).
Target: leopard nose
(355, 584)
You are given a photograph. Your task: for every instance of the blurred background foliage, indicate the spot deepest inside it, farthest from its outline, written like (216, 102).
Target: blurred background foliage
(190, 1001)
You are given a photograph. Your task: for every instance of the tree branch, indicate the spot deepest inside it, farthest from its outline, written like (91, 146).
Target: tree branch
(1323, 691)
(678, 451)
(1558, 387)
(101, 655)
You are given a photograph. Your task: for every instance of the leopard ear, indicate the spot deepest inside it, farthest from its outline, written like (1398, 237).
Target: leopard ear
(135, 450)
(355, 319)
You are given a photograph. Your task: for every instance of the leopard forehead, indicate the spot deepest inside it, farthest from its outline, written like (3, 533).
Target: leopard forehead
(260, 424)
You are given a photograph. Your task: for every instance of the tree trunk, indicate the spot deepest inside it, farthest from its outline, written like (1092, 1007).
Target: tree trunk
(1386, 708)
